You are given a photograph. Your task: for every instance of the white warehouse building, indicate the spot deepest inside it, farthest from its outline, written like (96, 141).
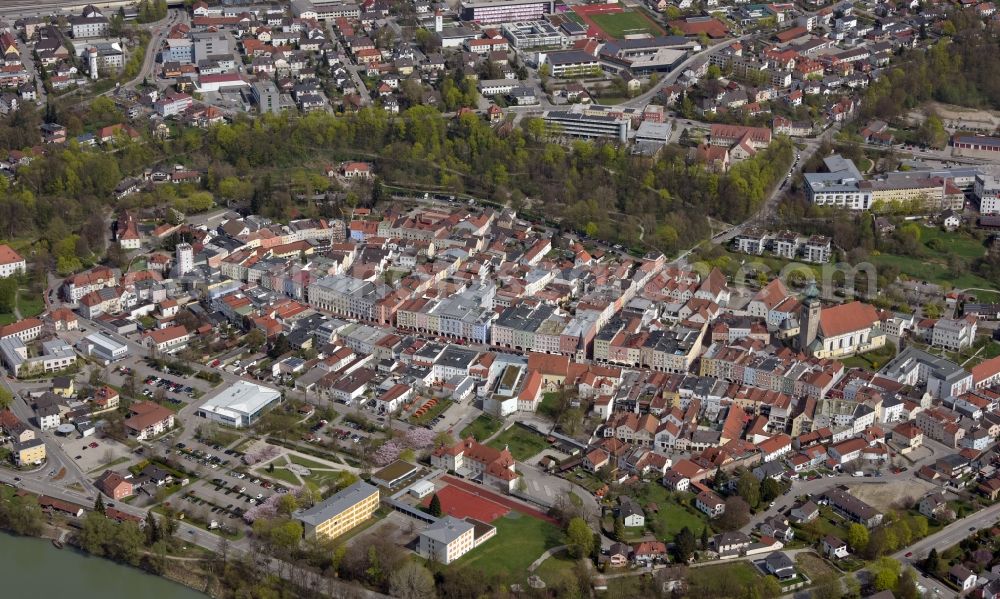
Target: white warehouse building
(239, 405)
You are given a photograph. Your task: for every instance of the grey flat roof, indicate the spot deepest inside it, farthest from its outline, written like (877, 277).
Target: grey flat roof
(335, 504)
(447, 529)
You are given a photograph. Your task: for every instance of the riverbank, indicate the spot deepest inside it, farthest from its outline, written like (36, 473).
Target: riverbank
(183, 570)
(30, 562)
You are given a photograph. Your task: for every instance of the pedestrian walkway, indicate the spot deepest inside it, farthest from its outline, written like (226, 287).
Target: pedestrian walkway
(548, 553)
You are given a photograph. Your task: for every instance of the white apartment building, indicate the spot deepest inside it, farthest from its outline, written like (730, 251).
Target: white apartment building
(447, 540)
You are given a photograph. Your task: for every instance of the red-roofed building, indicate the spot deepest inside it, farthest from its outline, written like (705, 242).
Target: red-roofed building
(356, 170)
(775, 447)
(845, 330)
(166, 340)
(114, 485)
(25, 330)
(470, 459)
(986, 373)
(11, 263)
(148, 420)
(694, 26)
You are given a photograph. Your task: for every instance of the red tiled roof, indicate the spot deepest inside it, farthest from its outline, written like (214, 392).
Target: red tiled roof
(847, 318)
(8, 255)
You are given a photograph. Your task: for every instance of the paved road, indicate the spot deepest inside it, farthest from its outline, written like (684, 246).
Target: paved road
(668, 79)
(159, 29)
(768, 208)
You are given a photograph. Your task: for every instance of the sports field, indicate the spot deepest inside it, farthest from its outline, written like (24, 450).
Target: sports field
(620, 24)
(463, 504)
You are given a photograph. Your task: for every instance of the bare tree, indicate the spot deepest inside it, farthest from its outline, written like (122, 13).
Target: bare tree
(411, 581)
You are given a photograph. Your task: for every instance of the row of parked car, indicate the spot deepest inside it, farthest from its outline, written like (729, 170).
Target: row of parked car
(168, 385)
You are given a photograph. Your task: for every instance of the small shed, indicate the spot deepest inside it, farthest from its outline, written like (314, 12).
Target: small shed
(421, 489)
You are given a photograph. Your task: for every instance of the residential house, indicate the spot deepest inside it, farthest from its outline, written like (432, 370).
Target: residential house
(148, 419)
(834, 547)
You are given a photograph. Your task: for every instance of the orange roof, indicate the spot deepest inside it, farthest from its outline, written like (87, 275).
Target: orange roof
(548, 363)
(847, 318)
(19, 327)
(9, 256)
(146, 413)
(531, 386)
(168, 334)
(774, 443)
(985, 369)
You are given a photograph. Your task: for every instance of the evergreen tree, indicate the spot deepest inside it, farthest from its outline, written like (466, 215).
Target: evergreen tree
(152, 529)
(704, 538)
(99, 504)
(435, 506)
(619, 529)
(933, 562)
(684, 545)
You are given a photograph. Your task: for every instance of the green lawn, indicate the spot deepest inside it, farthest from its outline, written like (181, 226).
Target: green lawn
(954, 242)
(519, 541)
(31, 305)
(556, 568)
(307, 463)
(281, 474)
(926, 269)
(523, 444)
(672, 514)
(872, 360)
(482, 427)
(620, 24)
(827, 523)
(432, 413)
(932, 265)
(724, 580)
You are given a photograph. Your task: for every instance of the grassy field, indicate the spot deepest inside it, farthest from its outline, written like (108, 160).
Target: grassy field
(307, 463)
(932, 265)
(813, 566)
(721, 580)
(872, 360)
(620, 24)
(482, 427)
(671, 514)
(519, 541)
(927, 269)
(555, 568)
(30, 304)
(828, 523)
(950, 242)
(280, 474)
(523, 444)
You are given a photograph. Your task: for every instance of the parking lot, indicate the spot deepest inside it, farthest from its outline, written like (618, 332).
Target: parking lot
(177, 388)
(227, 488)
(93, 454)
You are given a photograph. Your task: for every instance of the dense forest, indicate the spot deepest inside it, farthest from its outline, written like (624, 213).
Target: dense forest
(596, 188)
(960, 68)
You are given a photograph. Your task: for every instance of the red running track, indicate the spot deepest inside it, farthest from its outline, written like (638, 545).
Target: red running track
(463, 504)
(498, 499)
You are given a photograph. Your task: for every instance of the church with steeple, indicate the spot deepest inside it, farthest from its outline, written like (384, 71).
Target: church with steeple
(837, 331)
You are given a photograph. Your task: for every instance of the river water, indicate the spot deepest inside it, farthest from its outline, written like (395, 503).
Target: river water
(35, 568)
